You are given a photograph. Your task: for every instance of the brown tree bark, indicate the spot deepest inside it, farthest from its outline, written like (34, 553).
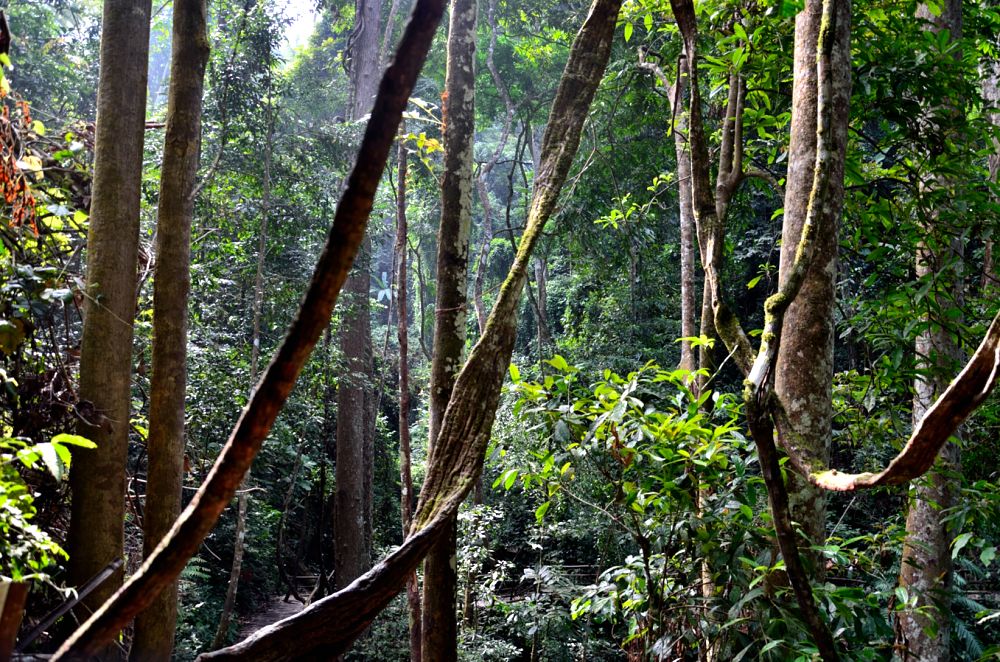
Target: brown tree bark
(457, 457)
(402, 314)
(439, 629)
(355, 396)
(154, 629)
(803, 379)
(96, 534)
(346, 233)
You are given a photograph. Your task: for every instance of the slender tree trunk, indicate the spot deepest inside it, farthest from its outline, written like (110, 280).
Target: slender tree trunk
(991, 94)
(688, 278)
(439, 630)
(804, 370)
(542, 301)
(154, 629)
(355, 396)
(98, 478)
(222, 632)
(926, 569)
(402, 313)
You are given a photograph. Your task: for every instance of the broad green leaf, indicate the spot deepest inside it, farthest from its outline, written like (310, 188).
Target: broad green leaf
(73, 440)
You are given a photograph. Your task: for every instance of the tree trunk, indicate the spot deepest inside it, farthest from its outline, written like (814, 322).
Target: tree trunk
(98, 478)
(154, 629)
(991, 94)
(926, 570)
(355, 397)
(439, 630)
(402, 313)
(542, 301)
(804, 369)
(688, 278)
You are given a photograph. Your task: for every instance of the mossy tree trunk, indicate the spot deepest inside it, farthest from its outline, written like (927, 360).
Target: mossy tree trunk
(804, 368)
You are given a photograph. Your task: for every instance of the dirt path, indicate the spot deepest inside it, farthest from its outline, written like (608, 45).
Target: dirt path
(276, 610)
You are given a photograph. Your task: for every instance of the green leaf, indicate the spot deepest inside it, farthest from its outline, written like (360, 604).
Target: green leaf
(771, 644)
(987, 555)
(73, 440)
(559, 363)
(515, 374)
(648, 21)
(51, 459)
(628, 31)
(753, 282)
(959, 543)
(508, 477)
(541, 510)
(791, 7)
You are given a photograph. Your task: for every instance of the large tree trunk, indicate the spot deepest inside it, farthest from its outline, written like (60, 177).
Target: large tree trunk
(154, 629)
(355, 396)
(804, 368)
(925, 570)
(439, 630)
(98, 478)
(402, 314)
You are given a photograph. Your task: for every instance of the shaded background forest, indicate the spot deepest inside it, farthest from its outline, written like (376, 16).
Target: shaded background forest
(555, 556)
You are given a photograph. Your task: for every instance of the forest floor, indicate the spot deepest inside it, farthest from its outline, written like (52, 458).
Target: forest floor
(277, 609)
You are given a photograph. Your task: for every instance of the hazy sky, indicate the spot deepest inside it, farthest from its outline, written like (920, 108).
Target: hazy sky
(303, 15)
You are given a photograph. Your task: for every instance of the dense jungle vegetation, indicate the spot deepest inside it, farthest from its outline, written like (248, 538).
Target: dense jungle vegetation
(494, 330)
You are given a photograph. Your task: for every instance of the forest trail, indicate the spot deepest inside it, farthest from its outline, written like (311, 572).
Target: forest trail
(277, 610)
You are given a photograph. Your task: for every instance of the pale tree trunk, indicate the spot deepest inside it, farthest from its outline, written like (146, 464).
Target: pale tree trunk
(804, 368)
(96, 534)
(402, 313)
(688, 278)
(991, 94)
(222, 632)
(439, 628)
(925, 571)
(355, 397)
(154, 629)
